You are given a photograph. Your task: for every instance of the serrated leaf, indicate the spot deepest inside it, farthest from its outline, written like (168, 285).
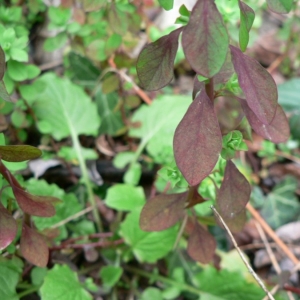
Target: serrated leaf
(61, 283)
(125, 197)
(41, 206)
(247, 16)
(234, 192)
(197, 140)
(17, 153)
(205, 39)
(10, 271)
(8, 227)
(2, 63)
(156, 62)
(278, 131)
(280, 6)
(146, 246)
(281, 205)
(162, 211)
(167, 112)
(201, 244)
(33, 247)
(257, 84)
(65, 108)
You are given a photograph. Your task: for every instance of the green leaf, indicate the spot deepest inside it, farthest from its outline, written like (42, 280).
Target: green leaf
(2, 63)
(113, 43)
(108, 109)
(156, 61)
(56, 42)
(32, 71)
(225, 285)
(166, 4)
(280, 6)
(3, 93)
(10, 271)
(17, 153)
(133, 174)
(247, 16)
(65, 108)
(146, 246)
(37, 275)
(124, 197)
(16, 70)
(281, 205)
(69, 154)
(110, 275)
(167, 111)
(19, 55)
(59, 16)
(151, 293)
(122, 159)
(205, 39)
(61, 283)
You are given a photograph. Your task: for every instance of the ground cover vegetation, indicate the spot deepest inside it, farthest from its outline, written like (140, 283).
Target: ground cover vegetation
(128, 146)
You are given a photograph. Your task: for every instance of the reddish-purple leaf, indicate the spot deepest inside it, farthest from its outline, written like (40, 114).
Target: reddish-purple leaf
(280, 6)
(8, 227)
(226, 71)
(257, 84)
(16, 153)
(41, 206)
(277, 132)
(34, 247)
(198, 140)
(3, 92)
(162, 211)
(205, 39)
(156, 62)
(2, 63)
(198, 86)
(201, 244)
(236, 223)
(234, 192)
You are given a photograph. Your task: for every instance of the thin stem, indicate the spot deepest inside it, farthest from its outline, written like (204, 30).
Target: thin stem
(28, 291)
(272, 234)
(182, 286)
(259, 281)
(86, 180)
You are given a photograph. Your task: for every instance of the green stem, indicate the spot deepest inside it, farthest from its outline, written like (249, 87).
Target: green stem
(28, 291)
(182, 286)
(86, 180)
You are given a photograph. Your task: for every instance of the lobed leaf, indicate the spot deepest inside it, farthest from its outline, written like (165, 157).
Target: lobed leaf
(2, 63)
(17, 153)
(277, 132)
(234, 192)
(257, 84)
(156, 61)
(280, 6)
(201, 244)
(34, 247)
(40, 206)
(247, 16)
(162, 211)
(8, 227)
(205, 39)
(197, 140)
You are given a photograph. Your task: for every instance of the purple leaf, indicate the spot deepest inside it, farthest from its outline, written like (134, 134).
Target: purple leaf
(162, 211)
(8, 227)
(236, 223)
(194, 197)
(205, 39)
(198, 86)
(16, 153)
(3, 92)
(197, 140)
(280, 6)
(234, 192)
(156, 62)
(277, 132)
(40, 206)
(257, 84)
(201, 244)
(34, 247)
